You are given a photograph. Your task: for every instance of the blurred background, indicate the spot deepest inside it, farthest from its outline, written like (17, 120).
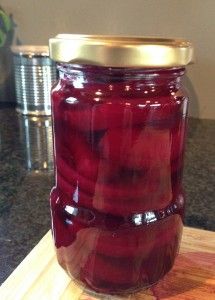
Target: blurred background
(39, 20)
(26, 161)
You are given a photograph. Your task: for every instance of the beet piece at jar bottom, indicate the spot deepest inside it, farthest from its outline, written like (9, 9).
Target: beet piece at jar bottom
(83, 262)
(117, 260)
(132, 276)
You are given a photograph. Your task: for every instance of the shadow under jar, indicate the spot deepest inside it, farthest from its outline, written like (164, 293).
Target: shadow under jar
(119, 114)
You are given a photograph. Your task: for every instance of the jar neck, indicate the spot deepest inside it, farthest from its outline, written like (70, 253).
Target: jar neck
(85, 74)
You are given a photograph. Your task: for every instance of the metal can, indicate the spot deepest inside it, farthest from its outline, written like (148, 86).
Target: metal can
(35, 73)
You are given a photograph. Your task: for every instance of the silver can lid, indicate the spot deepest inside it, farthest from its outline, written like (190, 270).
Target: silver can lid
(31, 50)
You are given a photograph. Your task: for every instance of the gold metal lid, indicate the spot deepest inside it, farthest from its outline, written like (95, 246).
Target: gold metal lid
(121, 51)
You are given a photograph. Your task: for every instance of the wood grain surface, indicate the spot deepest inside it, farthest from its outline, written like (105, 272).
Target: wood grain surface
(192, 278)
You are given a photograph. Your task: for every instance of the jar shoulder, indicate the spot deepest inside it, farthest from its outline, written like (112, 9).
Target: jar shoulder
(123, 92)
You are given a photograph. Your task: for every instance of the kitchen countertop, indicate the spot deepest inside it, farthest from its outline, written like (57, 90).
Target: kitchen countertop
(26, 174)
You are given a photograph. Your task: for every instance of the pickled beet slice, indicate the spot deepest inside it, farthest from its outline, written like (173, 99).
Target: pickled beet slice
(116, 113)
(112, 270)
(119, 200)
(160, 245)
(177, 141)
(140, 241)
(132, 271)
(139, 148)
(133, 241)
(78, 150)
(82, 259)
(141, 196)
(72, 177)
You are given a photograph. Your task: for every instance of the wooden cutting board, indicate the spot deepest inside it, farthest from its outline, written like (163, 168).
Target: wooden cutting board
(192, 278)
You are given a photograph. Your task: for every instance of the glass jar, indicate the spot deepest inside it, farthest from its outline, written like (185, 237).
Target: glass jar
(119, 131)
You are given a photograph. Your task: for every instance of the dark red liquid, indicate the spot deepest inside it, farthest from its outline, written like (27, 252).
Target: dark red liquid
(117, 205)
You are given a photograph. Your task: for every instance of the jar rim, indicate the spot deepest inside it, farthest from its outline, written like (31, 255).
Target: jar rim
(121, 51)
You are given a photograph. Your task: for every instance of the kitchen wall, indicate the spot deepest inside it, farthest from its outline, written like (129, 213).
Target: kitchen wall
(191, 19)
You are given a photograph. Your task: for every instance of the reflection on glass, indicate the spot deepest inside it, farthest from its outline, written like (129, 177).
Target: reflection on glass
(36, 134)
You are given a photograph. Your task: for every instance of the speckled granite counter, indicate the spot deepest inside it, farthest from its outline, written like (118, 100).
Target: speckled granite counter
(27, 177)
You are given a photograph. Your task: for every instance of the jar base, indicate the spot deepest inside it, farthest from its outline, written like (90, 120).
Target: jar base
(102, 296)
